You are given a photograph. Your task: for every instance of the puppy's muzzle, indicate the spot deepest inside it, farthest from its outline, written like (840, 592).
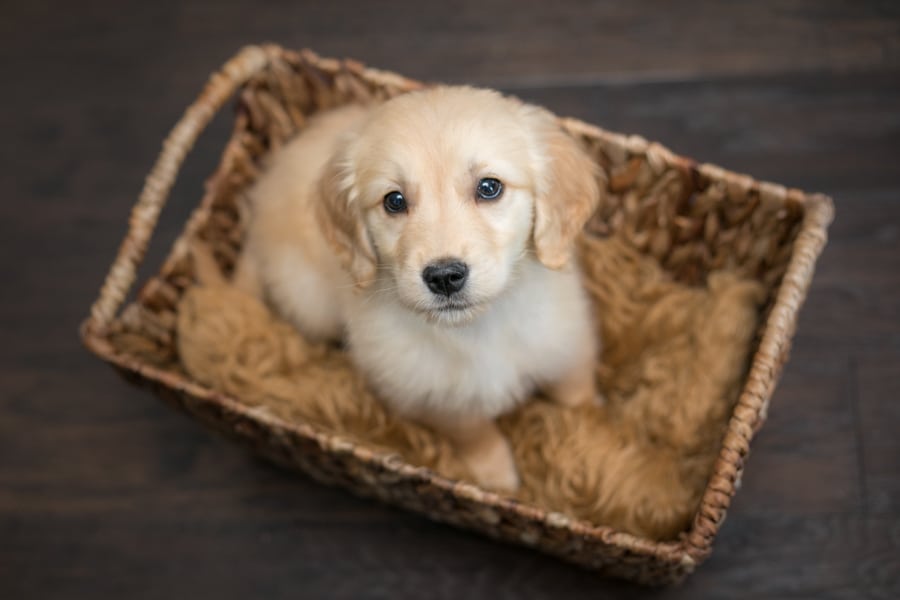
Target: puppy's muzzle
(446, 276)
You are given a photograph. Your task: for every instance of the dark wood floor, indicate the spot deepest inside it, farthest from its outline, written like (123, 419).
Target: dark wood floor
(104, 492)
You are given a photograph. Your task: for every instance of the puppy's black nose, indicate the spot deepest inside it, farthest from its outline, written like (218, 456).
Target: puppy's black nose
(445, 276)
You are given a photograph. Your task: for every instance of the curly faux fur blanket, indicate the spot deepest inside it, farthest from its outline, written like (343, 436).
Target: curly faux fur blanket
(673, 361)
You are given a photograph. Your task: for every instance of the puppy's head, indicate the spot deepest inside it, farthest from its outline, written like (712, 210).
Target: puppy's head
(442, 193)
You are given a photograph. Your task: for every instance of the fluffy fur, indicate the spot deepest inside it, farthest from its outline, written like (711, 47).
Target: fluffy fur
(671, 369)
(327, 255)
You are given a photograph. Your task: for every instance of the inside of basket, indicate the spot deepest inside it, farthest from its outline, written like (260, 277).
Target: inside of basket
(680, 268)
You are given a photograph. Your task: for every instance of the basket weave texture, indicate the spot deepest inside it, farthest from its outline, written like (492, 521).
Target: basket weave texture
(692, 218)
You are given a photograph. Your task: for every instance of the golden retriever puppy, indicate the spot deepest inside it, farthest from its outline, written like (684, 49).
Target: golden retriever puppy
(435, 235)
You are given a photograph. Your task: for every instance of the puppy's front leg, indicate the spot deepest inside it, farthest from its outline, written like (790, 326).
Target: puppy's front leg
(247, 277)
(576, 388)
(484, 450)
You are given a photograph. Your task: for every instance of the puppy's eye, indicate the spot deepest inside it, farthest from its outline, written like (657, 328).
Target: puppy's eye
(394, 202)
(489, 188)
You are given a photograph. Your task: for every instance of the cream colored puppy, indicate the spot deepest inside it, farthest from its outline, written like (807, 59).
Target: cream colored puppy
(434, 233)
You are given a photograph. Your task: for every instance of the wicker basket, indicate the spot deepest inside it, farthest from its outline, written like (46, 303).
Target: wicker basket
(692, 218)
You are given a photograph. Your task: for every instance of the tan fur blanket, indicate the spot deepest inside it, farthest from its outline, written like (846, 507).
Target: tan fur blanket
(671, 368)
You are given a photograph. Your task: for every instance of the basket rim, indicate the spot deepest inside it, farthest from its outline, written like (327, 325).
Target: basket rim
(671, 551)
(747, 416)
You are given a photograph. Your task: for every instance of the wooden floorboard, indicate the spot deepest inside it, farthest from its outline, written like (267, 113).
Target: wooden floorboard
(490, 41)
(104, 492)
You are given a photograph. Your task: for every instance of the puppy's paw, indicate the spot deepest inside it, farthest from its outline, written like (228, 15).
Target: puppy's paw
(574, 400)
(575, 394)
(575, 389)
(494, 467)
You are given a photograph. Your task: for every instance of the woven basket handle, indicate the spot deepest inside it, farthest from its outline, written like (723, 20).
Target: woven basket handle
(220, 87)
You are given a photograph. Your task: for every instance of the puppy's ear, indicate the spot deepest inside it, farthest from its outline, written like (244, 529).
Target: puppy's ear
(341, 216)
(567, 193)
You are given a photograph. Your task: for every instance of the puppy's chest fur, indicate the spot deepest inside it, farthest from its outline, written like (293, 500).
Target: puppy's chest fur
(528, 336)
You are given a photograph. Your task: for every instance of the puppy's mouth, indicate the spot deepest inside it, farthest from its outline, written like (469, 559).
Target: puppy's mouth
(454, 305)
(451, 315)
(458, 308)
(453, 312)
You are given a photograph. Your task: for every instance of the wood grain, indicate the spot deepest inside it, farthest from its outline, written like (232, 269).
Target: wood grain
(106, 493)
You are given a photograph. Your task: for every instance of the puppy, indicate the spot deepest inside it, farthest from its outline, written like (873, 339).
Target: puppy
(434, 234)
